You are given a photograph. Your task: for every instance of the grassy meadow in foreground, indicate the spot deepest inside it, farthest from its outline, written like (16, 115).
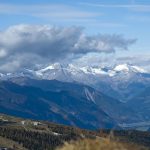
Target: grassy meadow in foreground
(105, 144)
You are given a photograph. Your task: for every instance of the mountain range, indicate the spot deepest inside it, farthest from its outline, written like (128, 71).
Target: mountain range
(87, 97)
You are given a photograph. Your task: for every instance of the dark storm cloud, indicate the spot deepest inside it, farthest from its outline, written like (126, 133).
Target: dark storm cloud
(27, 45)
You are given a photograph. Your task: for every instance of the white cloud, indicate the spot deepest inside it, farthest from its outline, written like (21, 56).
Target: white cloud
(2, 53)
(27, 45)
(60, 14)
(132, 6)
(53, 11)
(140, 60)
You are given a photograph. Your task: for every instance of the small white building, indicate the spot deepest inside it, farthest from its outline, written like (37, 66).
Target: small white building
(23, 122)
(35, 123)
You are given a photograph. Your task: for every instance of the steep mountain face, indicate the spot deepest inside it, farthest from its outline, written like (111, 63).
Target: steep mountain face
(112, 107)
(121, 82)
(63, 106)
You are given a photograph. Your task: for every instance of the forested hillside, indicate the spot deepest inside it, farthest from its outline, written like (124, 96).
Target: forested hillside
(39, 135)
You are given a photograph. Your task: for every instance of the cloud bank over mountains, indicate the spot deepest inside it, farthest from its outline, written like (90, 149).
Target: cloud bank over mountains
(24, 46)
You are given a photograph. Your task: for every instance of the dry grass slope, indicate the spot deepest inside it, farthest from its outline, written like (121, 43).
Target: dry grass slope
(106, 144)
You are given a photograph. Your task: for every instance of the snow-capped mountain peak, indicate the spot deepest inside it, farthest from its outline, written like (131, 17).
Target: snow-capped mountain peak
(48, 68)
(139, 69)
(55, 66)
(52, 66)
(122, 67)
(73, 72)
(129, 68)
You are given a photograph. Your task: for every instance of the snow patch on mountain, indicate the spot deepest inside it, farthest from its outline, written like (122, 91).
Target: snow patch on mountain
(84, 74)
(138, 69)
(129, 68)
(89, 95)
(50, 67)
(122, 67)
(1, 75)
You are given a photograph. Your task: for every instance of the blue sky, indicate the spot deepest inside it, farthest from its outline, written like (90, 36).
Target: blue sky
(130, 18)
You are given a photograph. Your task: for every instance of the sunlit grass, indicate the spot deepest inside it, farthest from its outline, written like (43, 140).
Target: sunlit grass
(103, 144)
